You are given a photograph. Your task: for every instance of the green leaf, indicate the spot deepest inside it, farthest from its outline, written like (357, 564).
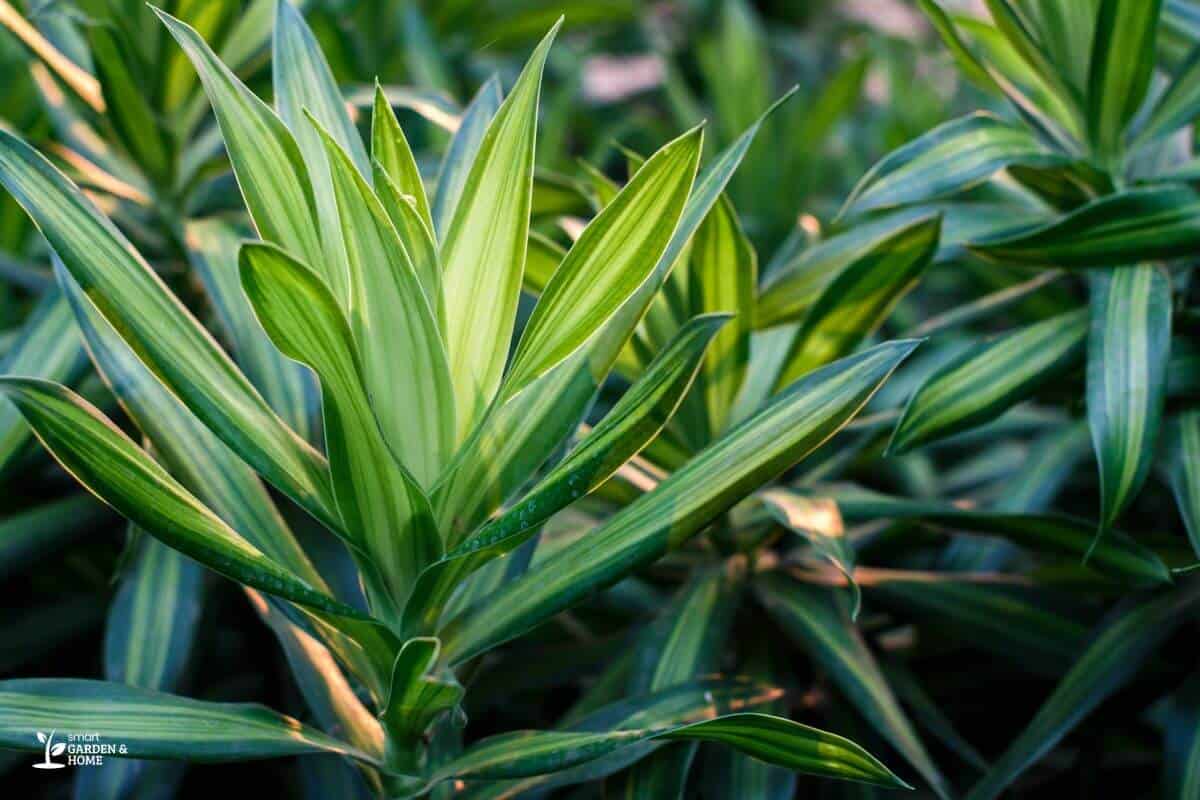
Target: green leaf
(790, 290)
(628, 427)
(815, 617)
(1129, 345)
(483, 250)
(156, 725)
(392, 323)
(1147, 224)
(1183, 470)
(858, 299)
(616, 254)
(1178, 105)
(1122, 64)
(988, 379)
(193, 455)
(127, 106)
(47, 346)
(1118, 555)
(153, 618)
(416, 698)
(1049, 465)
(793, 425)
(773, 739)
(1065, 30)
(303, 82)
(110, 465)
(165, 336)
(686, 640)
(951, 158)
(304, 86)
(678, 705)
(287, 386)
(266, 159)
(1023, 41)
(724, 278)
(385, 512)
(1111, 661)
(460, 155)
(417, 238)
(391, 151)
(335, 701)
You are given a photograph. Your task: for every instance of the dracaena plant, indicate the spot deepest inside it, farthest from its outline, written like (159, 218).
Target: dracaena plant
(427, 464)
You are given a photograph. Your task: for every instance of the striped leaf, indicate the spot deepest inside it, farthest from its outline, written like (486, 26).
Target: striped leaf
(153, 618)
(790, 290)
(1151, 223)
(988, 379)
(116, 470)
(1183, 470)
(391, 151)
(1114, 657)
(304, 86)
(392, 323)
(629, 426)
(416, 697)
(220, 480)
(772, 739)
(266, 159)
(287, 386)
(615, 254)
(683, 643)
(483, 249)
(1129, 345)
(793, 425)
(47, 346)
(147, 642)
(1118, 555)
(189, 451)
(460, 155)
(385, 512)
(724, 278)
(1122, 63)
(858, 299)
(161, 330)
(949, 159)
(417, 237)
(155, 725)
(814, 616)
(678, 705)
(1179, 104)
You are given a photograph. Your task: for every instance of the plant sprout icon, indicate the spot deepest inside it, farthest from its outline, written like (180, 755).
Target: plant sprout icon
(51, 750)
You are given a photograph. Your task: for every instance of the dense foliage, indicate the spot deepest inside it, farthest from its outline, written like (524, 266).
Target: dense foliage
(586, 399)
